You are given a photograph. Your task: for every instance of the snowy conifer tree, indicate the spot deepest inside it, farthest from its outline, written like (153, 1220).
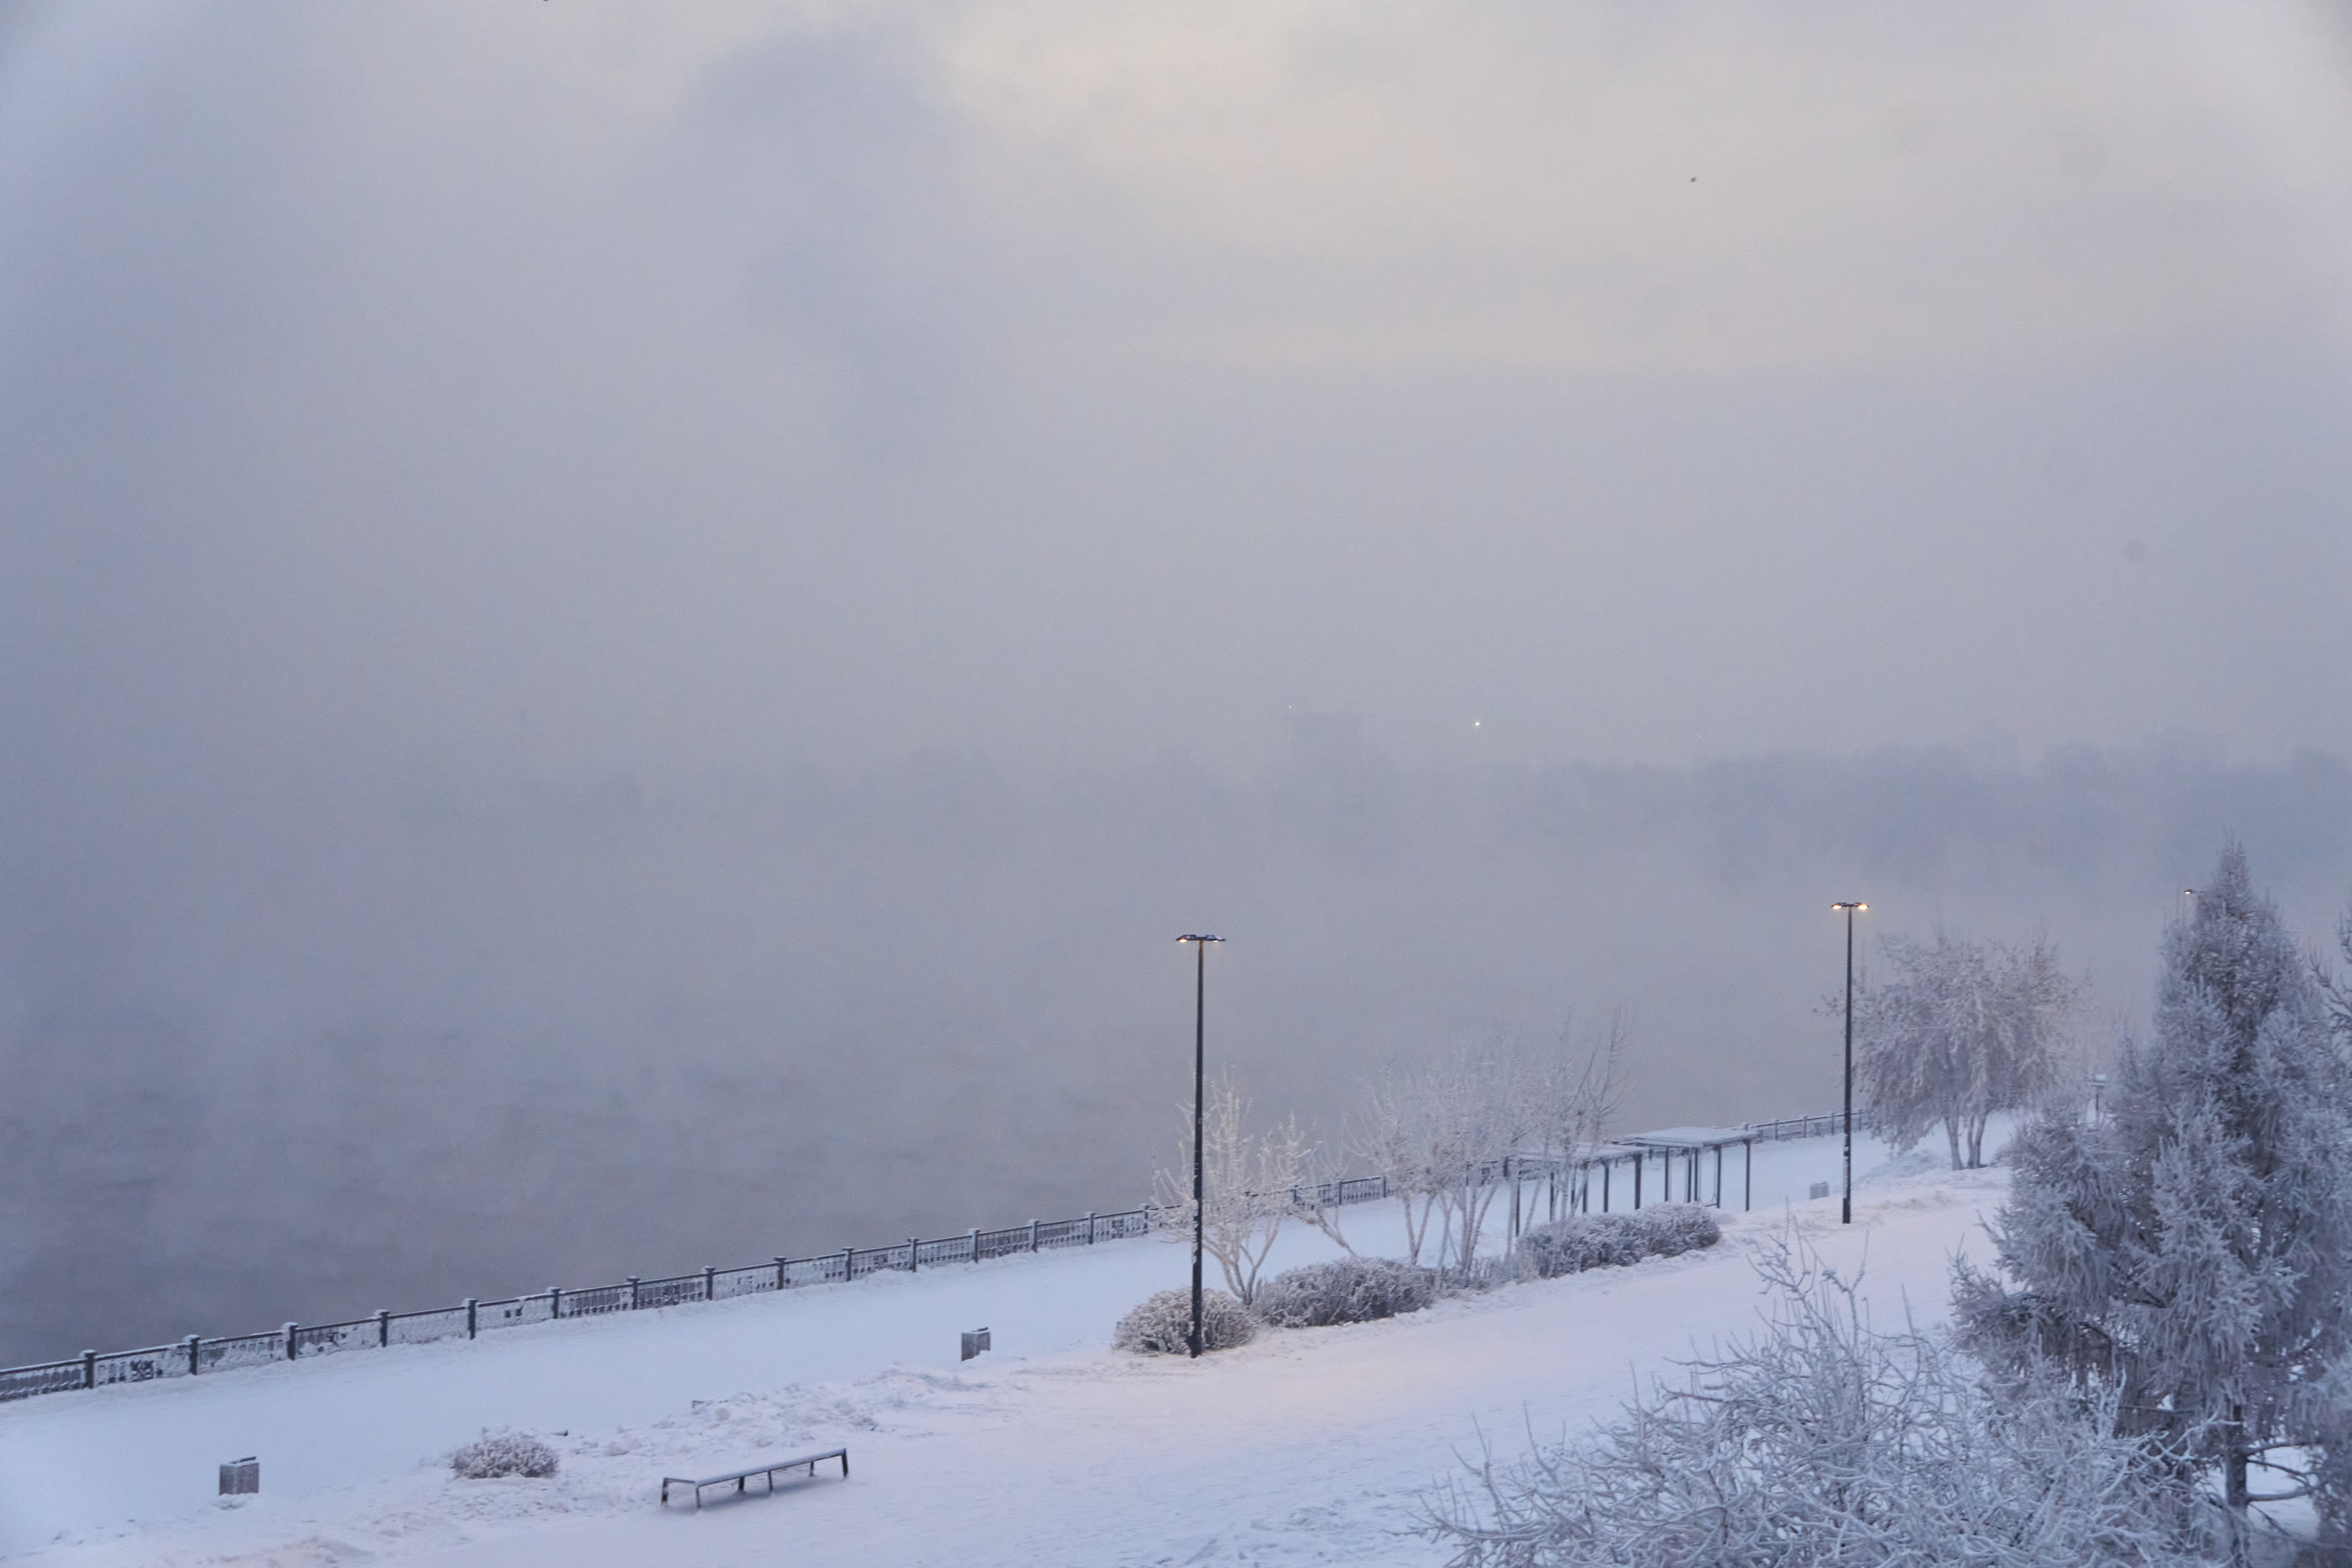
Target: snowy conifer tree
(2194, 1251)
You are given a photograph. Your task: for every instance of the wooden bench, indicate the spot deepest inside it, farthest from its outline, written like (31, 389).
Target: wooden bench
(741, 1477)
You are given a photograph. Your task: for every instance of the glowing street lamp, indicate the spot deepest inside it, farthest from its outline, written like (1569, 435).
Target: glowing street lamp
(1846, 1216)
(1200, 1068)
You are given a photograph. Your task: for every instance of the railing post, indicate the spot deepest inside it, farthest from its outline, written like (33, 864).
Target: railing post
(89, 1369)
(848, 1264)
(382, 1328)
(1090, 1227)
(192, 1342)
(975, 1244)
(709, 1283)
(633, 1292)
(473, 1313)
(911, 1244)
(291, 1343)
(554, 1302)
(781, 1282)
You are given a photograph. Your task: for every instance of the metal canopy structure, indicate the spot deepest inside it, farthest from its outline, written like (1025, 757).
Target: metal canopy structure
(1692, 1144)
(1583, 1180)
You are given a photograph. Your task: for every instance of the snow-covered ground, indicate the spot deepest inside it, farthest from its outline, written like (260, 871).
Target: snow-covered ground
(1305, 1447)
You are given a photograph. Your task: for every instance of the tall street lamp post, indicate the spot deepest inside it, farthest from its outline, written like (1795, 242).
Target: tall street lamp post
(1846, 1215)
(1200, 1073)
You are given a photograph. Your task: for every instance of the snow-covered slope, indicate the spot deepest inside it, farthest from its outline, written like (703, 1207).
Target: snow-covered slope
(1305, 1447)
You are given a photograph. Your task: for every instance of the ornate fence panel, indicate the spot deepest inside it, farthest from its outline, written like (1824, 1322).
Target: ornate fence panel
(945, 1250)
(47, 1377)
(1121, 1227)
(726, 1283)
(240, 1350)
(421, 1328)
(672, 1292)
(142, 1366)
(595, 1300)
(514, 1312)
(318, 1339)
(1006, 1242)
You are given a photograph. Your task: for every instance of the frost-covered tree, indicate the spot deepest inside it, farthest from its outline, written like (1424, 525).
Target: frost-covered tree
(1961, 1030)
(1249, 1175)
(1820, 1443)
(1424, 1125)
(2192, 1253)
(1574, 1092)
(1441, 1129)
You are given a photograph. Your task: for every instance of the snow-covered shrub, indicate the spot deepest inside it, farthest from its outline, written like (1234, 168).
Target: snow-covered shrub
(1163, 1324)
(503, 1453)
(1584, 1241)
(1676, 1228)
(1822, 1443)
(1581, 1241)
(1344, 1291)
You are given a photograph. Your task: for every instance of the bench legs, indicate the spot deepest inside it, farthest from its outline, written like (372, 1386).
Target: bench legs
(742, 1481)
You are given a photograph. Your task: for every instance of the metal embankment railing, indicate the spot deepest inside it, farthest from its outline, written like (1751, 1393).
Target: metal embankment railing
(1827, 1126)
(195, 1355)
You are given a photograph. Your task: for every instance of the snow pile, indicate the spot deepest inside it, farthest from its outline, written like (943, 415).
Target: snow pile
(504, 1454)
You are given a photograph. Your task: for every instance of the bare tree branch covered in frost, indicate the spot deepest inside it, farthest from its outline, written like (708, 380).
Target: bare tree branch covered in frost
(1249, 1177)
(1822, 1444)
(1440, 1130)
(2192, 1254)
(1963, 1030)
(1575, 1098)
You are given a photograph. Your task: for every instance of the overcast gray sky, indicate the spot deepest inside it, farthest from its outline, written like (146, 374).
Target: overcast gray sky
(657, 387)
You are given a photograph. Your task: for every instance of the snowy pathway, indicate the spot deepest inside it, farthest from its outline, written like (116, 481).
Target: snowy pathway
(1305, 1447)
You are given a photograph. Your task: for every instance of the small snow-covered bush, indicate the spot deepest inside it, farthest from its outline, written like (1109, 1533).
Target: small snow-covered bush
(1677, 1228)
(1344, 1291)
(1585, 1241)
(1163, 1324)
(1580, 1242)
(503, 1453)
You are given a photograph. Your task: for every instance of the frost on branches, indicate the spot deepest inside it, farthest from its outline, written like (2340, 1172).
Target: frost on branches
(1250, 1178)
(2191, 1256)
(1964, 1029)
(1823, 1444)
(1441, 1130)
